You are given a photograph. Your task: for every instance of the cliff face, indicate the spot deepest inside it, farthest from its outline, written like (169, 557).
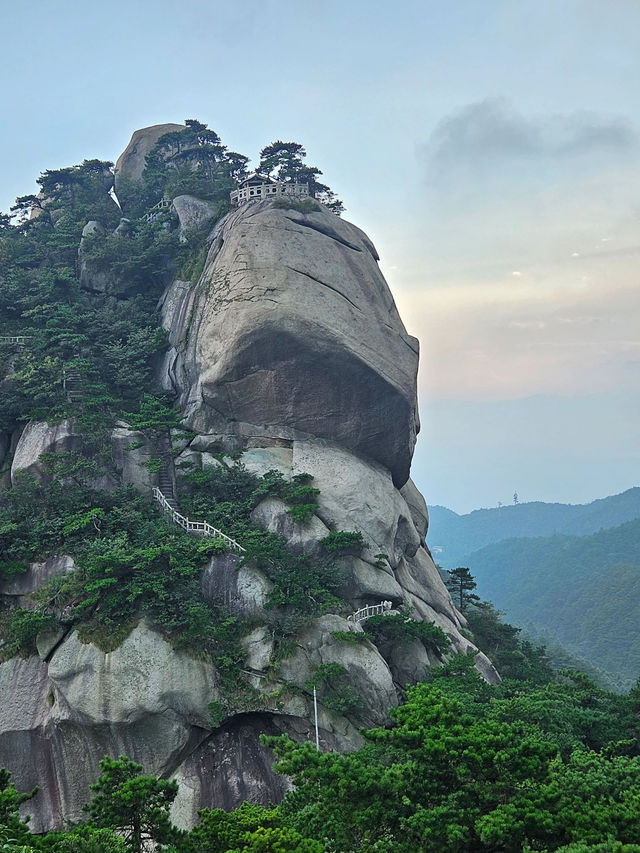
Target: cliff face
(292, 332)
(288, 353)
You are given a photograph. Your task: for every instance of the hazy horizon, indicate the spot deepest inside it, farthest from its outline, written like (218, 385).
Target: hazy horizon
(490, 150)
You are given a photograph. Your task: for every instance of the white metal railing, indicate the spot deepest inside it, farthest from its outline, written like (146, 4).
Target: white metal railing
(157, 209)
(202, 527)
(382, 609)
(13, 339)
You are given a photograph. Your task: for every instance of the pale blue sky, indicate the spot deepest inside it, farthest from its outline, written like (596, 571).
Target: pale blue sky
(491, 149)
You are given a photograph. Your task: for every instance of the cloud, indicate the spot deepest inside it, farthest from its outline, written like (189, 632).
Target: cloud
(489, 138)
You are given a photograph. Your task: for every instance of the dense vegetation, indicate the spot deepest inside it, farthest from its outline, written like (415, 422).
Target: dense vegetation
(573, 590)
(95, 316)
(464, 768)
(132, 563)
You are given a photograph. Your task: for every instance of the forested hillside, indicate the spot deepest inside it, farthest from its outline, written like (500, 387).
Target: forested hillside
(580, 591)
(452, 537)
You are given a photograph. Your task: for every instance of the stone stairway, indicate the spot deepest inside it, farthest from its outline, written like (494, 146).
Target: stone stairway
(74, 386)
(165, 474)
(164, 494)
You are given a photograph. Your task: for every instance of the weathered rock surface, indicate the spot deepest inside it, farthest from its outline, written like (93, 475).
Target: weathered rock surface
(131, 163)
(293, 330)
(417, 507)
(130, 450)
(243, 590)
(192, 213)
(57, 720)
(367, 669)
(143, 676)
(37, 438)
(36, 576)
(232, 767)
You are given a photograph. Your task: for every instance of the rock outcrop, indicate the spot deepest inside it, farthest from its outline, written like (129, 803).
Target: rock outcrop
(292, 332)
(37, 438)
(288, 354)
(130, 164)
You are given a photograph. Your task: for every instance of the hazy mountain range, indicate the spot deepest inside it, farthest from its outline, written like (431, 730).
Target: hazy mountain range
(566, 574)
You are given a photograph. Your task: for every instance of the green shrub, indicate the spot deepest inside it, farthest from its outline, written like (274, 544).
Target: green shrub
(301, 497)
(352, 637)
(11, 568)
(344, 542)
(396, 628)
(331, 680)
(24, 628)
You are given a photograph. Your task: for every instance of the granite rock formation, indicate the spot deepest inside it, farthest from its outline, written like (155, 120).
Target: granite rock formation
(289, 354)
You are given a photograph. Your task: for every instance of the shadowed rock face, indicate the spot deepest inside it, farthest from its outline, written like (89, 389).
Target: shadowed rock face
(293, 328)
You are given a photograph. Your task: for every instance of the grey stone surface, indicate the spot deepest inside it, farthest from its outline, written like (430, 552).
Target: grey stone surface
(280, 289)
(408, 662)
(259, 460)
(486, 669)
(192, 212)
(143, 676)
(130, 463)
(230, 768)
(417, 507)
(302, 537)
(259, 647)
(45, 741)
(356, 494)
(367, 670)
(37, 576)
(131, 163)
(365, 583)
(38, 437)
(243, 589)
(420, 577)
(47, 640)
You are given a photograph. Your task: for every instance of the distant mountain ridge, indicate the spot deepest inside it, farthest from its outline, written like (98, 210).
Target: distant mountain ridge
(453, 537)
(580, 591)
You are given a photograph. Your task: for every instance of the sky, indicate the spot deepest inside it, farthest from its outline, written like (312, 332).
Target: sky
(490, 149)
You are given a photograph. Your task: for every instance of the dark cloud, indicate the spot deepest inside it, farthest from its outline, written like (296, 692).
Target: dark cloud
(491, 138)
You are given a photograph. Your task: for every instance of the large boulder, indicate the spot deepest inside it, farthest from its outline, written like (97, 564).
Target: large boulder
(192, 213)
(293, 329)
(368, 673)
(35, 577)
(131, 163)
(143, 676)
(39, 437)
(356, 494)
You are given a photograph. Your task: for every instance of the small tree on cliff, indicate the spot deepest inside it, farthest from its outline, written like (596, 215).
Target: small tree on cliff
(460, 583)
(284, 161)
(133, 803)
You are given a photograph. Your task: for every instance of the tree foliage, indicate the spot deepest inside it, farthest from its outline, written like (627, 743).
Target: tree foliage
(135, 804)
(284, 161)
